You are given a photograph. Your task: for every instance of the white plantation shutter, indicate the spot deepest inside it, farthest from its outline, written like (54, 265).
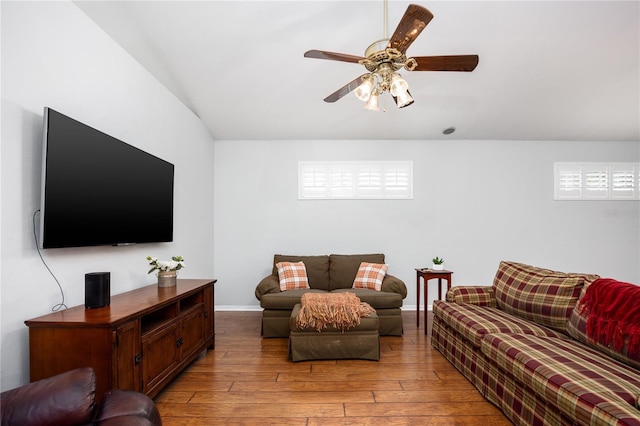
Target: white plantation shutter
(568, 182)
(312, 181)
(596, 181)
(355, 180)
(370, 181)
(397, 181)
(341, 182)
(624, 181)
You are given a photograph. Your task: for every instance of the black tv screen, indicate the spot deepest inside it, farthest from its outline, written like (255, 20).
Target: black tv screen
(98, 190)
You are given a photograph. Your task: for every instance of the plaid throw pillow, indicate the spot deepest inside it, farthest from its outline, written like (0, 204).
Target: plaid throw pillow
(292, 275)
(370, 276)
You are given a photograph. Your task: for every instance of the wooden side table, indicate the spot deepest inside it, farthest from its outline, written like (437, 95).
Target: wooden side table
(429, 274)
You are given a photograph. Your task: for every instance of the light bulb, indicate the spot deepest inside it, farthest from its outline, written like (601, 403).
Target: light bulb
(363, 92)
(398, 85)
(372, 103)
(404, 99)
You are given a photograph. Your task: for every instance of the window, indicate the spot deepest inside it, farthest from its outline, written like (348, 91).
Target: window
(597, 181)
(328, 180)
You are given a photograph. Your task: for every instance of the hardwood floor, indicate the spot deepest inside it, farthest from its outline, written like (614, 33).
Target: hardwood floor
(248, 380)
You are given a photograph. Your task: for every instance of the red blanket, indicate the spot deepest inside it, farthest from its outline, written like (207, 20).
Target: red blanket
(613, 310)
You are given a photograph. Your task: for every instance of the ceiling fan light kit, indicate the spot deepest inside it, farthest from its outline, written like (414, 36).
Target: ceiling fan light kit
(398, 85)
(372, 104)
(363, 92)
(385, 57)
(403, 99)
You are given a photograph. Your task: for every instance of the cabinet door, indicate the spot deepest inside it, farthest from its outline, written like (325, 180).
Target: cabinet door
(160, 355)
(127, 357)
(192, 331)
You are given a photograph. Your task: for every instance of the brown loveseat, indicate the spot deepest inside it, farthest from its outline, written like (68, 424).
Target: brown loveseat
(68, 399)
(330, 273)
(524, 344)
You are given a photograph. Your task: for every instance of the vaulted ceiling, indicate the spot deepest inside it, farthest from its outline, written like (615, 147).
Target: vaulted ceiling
(548, 70)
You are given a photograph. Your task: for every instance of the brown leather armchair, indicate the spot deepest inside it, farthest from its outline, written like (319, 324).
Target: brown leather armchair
(69, 399)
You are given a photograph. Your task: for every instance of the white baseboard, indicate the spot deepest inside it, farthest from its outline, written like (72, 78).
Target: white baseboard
(239, 308)
(251, 308)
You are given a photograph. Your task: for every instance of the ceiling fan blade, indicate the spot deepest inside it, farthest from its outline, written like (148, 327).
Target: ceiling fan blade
(341, 92)
(446, 63)
(332, 56)
(415, 19)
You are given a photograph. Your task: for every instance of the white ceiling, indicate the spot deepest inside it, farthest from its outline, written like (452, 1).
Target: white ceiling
(548, 70)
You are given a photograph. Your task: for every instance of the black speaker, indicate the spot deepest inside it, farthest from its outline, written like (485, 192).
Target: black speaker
(97, 289)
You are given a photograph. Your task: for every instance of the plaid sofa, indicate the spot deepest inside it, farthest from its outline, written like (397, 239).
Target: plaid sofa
(330, 273)
(524, 347)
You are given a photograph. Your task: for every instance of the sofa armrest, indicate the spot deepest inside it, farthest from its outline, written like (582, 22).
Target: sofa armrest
(394, 285)
(127, 408)
(475, 295)
(66, 398)
(270, 284)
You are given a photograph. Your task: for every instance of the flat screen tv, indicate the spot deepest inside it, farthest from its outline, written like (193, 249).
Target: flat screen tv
(98, 190)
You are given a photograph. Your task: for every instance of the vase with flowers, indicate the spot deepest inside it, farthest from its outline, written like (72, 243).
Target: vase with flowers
(167, 270)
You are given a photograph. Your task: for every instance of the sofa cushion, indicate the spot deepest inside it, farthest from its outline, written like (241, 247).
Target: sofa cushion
(474, 322)
(292, 275)
(541, 295)
(285, 299)
(585, 384)
(370, 275)
(577, 325)
(377, 299)
(317, 269)
(344, 267)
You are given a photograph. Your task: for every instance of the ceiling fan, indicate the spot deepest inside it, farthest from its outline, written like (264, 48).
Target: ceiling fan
(385, 57)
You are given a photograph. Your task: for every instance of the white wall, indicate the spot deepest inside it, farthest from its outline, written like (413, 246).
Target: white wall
(53, 55)
(475, 203)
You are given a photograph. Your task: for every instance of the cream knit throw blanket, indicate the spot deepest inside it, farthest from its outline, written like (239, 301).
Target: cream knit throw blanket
(341, 310)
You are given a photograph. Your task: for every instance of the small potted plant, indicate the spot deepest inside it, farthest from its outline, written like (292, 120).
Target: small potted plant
(438, 263)
(167, 270)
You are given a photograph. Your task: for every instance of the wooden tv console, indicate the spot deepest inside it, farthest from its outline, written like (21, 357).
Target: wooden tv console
(141, 341)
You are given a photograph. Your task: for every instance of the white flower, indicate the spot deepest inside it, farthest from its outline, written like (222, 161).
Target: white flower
(175, 264)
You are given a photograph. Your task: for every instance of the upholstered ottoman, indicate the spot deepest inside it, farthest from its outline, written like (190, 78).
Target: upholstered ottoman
(360, 342)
